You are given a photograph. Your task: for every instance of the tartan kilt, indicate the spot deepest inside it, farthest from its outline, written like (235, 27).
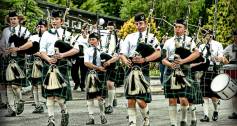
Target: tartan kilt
(102, 88)
(3, 67)
(34, 81)
(64, 92)
(206, 80)
(116, 74)
(145, 96)
(196, 89)
(187, 91)
(20, 59)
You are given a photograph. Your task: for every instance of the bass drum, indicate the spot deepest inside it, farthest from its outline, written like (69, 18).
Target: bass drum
(224, 86)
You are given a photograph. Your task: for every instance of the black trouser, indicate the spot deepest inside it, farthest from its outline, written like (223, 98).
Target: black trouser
(75, 75)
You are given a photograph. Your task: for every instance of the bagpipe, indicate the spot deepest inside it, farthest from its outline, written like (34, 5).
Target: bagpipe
(145, 48)
(19, 40)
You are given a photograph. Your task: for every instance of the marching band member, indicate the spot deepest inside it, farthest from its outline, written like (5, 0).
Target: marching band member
(32, 47)
(138, 91)
(55, 87)
(177, 78)
(231, 52)
(213, 50)
(108, 47)
(82, 41)
(14, 36)
(95, 86)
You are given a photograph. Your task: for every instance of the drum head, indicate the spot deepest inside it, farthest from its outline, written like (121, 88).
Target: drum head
(220, 82)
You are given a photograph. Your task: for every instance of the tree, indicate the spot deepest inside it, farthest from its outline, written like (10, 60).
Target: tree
(28, 8)
(226, 20)
(93, 6)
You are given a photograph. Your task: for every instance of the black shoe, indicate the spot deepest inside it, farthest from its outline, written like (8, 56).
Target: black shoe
(115, 102)
(193, 123)
(65, 118)
(183, 123)
(33, 104)
(75, 87)
(51, 121)
(233, 116)
(103, 119)
(38, 109)
(20, 107)
(109, 110)
(90, 121)
(215, 116)
(205, 119)
(11, 114)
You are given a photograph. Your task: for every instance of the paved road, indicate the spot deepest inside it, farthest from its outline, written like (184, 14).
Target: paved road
(78, 115)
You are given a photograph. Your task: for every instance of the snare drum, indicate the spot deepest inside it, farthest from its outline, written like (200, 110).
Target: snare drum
(231, 70)
(224, 86)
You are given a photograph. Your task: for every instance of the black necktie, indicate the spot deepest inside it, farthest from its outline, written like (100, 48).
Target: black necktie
(140, 37)
(94, 56)
(208, 46)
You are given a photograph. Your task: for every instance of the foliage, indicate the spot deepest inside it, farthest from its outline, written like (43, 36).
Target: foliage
(28, 8)
(226, 20)
(131, 7)
(93, 6)
(63, 2)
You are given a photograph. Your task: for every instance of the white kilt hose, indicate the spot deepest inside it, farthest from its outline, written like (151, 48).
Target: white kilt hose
(56, 80)
(95, 84)
(137, 83)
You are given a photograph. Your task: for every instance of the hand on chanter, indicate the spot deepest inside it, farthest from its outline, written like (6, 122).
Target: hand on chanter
(138, 59)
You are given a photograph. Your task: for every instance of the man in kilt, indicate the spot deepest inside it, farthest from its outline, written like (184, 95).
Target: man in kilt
(177, 77)
(108, 47)
(13, 36)
(31, 47)
(56, 87)
(213, 50)
(82, 41)
(95, 79)
(138, 90)
(230, 53)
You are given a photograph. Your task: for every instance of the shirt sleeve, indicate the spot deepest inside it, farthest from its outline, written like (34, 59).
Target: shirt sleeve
(86, 55)
(43, 43)
(124, 46)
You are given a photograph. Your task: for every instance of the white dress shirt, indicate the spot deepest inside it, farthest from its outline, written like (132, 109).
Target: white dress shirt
(88, 56)
(231, 51)
(7, 33)
(216, 49)
(129, 45)
(169, 46)
(48, 40)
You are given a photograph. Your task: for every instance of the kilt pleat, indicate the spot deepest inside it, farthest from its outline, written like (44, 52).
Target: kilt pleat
(64, 92)
(205, 85)
(187, 91)
(144, 96)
